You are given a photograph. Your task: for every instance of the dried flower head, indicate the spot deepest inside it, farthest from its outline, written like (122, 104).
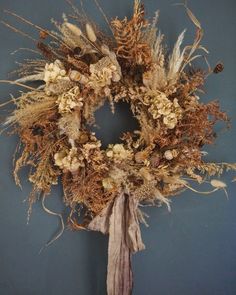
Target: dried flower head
(69, 160)
(73, 29)
(103, 73)
(90, 33)
(54, 71)
(70, 100)
(160, 106)
(118, 152)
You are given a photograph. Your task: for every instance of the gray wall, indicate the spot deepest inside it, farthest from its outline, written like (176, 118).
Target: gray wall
(191, 250)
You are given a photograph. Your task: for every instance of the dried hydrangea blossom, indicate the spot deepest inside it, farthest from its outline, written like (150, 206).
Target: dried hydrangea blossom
(69, 160)
(103, 73)
(89, 148)
(170, 154)
(54, 71)
(118, 152)
(68, 101)
(161, 106)
(170, 120)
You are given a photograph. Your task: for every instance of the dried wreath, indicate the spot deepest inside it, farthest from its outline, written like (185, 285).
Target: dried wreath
(81, 69)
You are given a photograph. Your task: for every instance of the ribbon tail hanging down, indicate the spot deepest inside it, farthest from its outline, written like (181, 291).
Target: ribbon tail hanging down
(120, 220)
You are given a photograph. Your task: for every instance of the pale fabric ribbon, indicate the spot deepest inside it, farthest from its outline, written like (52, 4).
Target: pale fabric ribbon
(119, 220)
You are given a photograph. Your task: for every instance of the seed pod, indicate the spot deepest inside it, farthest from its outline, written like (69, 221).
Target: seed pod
(105, 49)
(43, 34)
(75, 75)
(74, 29)
(155, 160)
(140, 157)
(218, 68)
(218, 183)
(90, 33)
(168, 155)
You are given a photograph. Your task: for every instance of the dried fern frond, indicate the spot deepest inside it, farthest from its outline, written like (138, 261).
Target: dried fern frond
(128, 35)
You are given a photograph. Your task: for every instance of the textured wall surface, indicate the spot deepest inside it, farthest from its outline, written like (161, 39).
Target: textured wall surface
(191, 250)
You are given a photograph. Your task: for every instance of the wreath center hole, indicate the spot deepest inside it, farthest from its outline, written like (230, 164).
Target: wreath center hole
(110, 127)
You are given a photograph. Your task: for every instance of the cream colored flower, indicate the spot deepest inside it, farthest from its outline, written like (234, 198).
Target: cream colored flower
(115, 178)
(69, 100)
(118, 152)
(165, 110)
(110, 154)
(88, 149)
(154, 112)
(177, 108)
(68, 160)
(108, 183)
(100, 79)
(103, 73)
(161, 106)
(170, 154)
(54, 71)
(170, 121)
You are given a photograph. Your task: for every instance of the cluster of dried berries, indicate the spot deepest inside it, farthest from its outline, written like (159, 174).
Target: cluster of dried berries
(81, 69)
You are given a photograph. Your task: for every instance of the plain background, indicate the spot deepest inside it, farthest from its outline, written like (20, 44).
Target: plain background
(191, 250)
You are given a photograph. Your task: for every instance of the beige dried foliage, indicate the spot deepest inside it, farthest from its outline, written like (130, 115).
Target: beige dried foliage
(32, 106)
(71, 35)
(176, 60)
(69, 125)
